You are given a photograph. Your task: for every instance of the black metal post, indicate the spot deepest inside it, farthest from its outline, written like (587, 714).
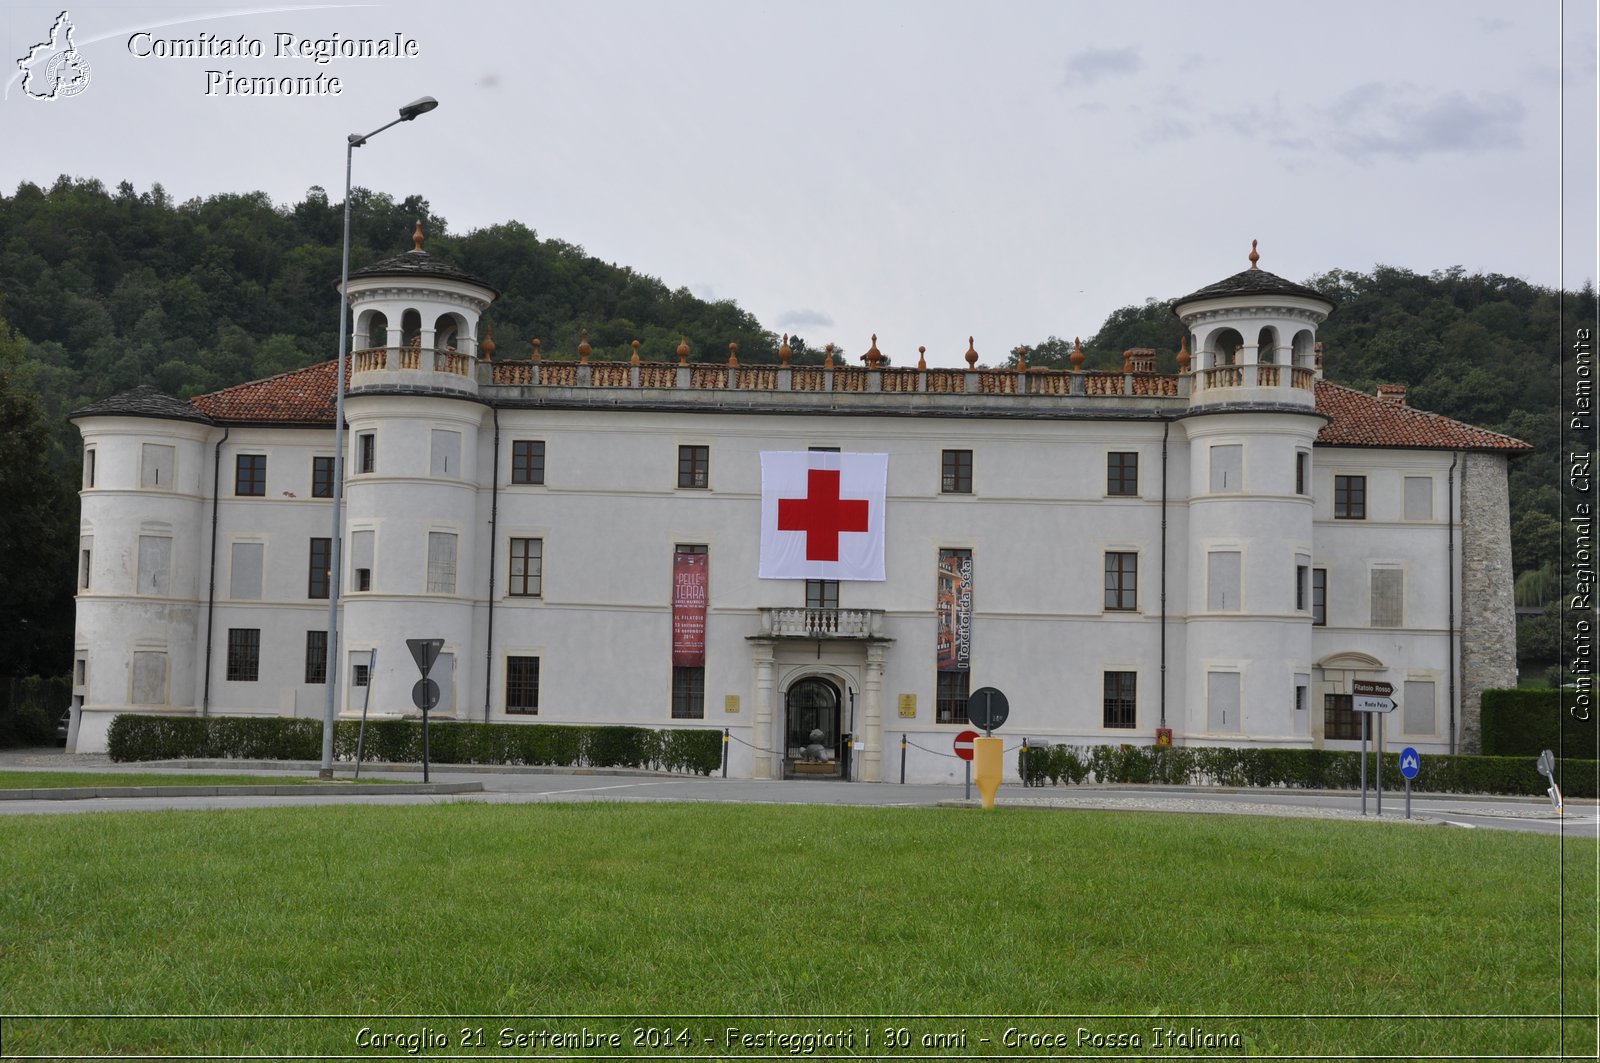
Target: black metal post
(1364, 717)
(725, 740)
(1025, 781)
(424, 745)
(902, 758)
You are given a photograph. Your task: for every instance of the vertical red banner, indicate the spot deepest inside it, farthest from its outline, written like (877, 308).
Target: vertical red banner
(689, 583)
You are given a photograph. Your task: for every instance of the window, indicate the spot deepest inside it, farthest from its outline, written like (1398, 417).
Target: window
(250, 475)
(1302, 582)
(822, 594)
(823, 450)
(1419, 497)
(1222, 581)
(244, 654)
(1302, 471)
(1319, 597)
(80, 672)
(444, 453)
(85, 557)
(527, 461)
(321, 477)
(956, 478)
(1122, 580)
(1416, 702)
(1122, 473)
(88, 466)
(1301, 683)
(527, 568)
(1388, 597)
(441, 563)
(360, 675)
(688, 693)
(1119, 698)
(316, 656)
(1350, 498)
(320, 561)
(155, 564)
(361, 561)
(694, 466)
(366, 452)
(950, 699)
(1227, 468)
(149, 686)
(155, 466)
(1339, 718)
(522, 685)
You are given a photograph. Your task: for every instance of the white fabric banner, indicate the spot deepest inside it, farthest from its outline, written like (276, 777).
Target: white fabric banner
(822, 515)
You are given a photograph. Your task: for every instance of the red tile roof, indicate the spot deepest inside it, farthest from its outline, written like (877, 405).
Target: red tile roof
(305, 397)
(1362, 420)
(300, 396)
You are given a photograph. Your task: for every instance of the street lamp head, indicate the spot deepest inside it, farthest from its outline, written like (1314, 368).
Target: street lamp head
(416, 107)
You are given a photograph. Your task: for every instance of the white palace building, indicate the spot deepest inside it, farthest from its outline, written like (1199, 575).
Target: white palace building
(1210, 557)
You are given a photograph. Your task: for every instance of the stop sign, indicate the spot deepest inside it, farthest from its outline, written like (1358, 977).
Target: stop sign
(963, 744)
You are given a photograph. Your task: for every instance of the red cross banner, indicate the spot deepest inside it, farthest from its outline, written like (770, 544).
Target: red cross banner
(822, 515)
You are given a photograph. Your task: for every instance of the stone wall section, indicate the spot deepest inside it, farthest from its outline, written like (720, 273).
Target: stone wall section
(1488, 611)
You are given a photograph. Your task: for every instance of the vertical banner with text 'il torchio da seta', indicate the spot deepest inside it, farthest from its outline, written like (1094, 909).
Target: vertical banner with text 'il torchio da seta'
(689, 610)
(955, 610)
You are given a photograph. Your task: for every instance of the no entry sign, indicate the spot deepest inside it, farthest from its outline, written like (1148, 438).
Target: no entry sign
(963, 744)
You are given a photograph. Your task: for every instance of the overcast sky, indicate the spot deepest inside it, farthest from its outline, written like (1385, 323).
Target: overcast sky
(922, 170)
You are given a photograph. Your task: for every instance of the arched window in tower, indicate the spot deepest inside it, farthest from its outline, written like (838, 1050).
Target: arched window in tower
(1267, 346)
(1304, 349)
(410, 329)
(446, 333)
(1225, 346)
(377, 330)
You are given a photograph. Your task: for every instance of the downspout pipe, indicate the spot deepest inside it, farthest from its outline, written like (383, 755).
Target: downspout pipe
(1166, 429)
(494, 552)
(211, 589)
(1450, 596)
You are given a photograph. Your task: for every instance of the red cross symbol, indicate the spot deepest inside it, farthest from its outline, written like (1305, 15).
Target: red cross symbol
(822, 515)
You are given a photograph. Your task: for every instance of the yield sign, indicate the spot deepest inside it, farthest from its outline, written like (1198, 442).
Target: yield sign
(425, 652)
(822, 515)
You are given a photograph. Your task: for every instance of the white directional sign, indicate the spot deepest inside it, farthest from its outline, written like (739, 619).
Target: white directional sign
(1368, 703)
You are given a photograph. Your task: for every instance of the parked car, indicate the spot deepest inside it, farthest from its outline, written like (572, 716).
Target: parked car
(63, 727)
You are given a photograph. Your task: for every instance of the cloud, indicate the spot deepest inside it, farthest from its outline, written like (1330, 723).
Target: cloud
(806, 318)
(1166, 130)
(1493, 25)
(1399, 121)
(1090, 66)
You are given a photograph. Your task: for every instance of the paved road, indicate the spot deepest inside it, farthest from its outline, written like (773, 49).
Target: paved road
(533, 787)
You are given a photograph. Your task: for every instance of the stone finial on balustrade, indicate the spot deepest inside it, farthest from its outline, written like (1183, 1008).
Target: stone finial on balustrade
(972, 354)
(922, 357)
(683, 350)
(583, 347)
(733, 356)
(635, 359)
(486, 348)
(873, 357)
(1254, 257)
(827, 359)
(1183, 355)
(1022, 359)
(416, 237)
(1077, 354)
(535, 358)
(784, 353)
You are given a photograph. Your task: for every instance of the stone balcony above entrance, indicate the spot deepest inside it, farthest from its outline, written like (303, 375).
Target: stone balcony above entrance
(818, 624)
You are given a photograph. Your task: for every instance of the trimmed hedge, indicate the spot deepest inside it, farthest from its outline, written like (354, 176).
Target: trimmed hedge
(138, 737)
(1308, 769)
(1522, 723)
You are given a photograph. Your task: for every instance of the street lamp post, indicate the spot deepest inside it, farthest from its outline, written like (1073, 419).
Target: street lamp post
(334, 672)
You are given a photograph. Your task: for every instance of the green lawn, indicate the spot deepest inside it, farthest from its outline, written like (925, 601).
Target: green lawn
(55, 780)
(656, 912)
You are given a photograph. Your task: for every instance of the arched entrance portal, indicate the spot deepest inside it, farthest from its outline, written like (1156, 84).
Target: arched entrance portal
(811, 730)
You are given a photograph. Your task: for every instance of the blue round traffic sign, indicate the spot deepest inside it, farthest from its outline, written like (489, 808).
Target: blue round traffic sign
(1410, 762)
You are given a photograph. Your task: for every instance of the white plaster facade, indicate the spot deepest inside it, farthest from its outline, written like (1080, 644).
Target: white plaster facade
(1233, 511)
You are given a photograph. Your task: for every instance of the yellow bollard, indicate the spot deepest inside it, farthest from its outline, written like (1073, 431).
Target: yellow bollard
(988, 764)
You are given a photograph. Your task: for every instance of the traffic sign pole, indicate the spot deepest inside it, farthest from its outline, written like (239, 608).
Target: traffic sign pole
(1364, 718)
(1378, 765)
